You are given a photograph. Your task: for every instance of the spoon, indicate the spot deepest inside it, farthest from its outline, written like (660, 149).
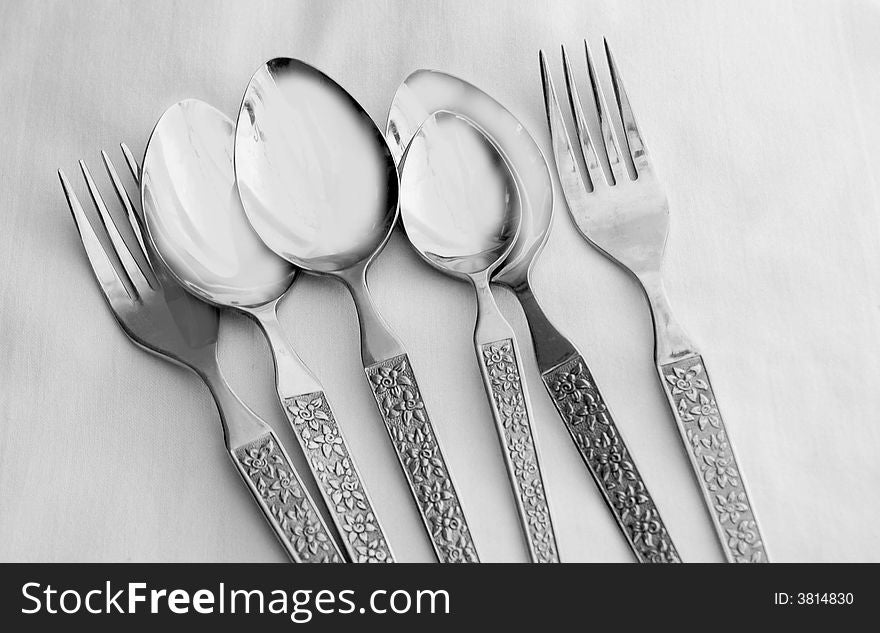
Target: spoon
(461, 212)
(320, 188)
(195, 220)
(563, 369)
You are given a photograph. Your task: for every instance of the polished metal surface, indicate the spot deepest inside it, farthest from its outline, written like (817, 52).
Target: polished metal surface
(461, 212)
(160, 316)
(194, 216)
(627, 218)
(459, 201)
(425, 92)
(299, 138)
(319, 186)
(564, 371)
(199, 229)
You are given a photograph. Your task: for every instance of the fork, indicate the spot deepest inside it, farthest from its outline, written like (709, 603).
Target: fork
(627, 219)
(160, 316)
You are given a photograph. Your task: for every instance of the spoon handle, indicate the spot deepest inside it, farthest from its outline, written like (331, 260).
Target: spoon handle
(583, 410)
(325, 448)
(502, 372)
(338, 478)
(418, 449)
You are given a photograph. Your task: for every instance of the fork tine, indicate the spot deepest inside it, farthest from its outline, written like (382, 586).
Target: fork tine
(573, 185)
(133, 166)
(160, 272)
(124, 198)
(612, 147)
(131, 269)
(634, 140)
(111, 285)
(588, 145)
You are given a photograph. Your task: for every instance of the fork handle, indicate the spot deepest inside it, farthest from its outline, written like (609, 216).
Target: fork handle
(713, 460)
(271, 478)
(589, 422)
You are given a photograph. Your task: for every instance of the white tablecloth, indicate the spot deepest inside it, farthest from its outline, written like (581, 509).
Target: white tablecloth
(762, 119)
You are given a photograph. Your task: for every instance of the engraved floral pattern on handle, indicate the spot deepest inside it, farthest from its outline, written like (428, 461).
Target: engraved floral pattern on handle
(403, 411)
(295, 519)
(688, 388)
(502, 368)
(328, 455)
(579, 403)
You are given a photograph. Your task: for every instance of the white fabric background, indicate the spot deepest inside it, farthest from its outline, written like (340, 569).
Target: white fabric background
(762, 119)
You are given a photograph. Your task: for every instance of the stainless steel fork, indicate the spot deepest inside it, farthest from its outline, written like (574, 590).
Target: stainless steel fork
(628, 220)
(161, 317)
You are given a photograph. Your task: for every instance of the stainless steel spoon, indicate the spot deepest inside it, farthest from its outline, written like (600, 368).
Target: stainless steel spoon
(320, 188)
(195, 220)
(461, 212)
(563, 369)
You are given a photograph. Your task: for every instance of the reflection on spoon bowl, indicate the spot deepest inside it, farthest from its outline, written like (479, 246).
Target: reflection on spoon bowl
(194, 216)
(424, 92)
(316, 179)
(459, 201)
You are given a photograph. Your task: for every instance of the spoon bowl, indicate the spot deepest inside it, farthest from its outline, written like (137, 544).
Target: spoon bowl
(459, 201)
(427, 91)
(194, 216)
(316, 178)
